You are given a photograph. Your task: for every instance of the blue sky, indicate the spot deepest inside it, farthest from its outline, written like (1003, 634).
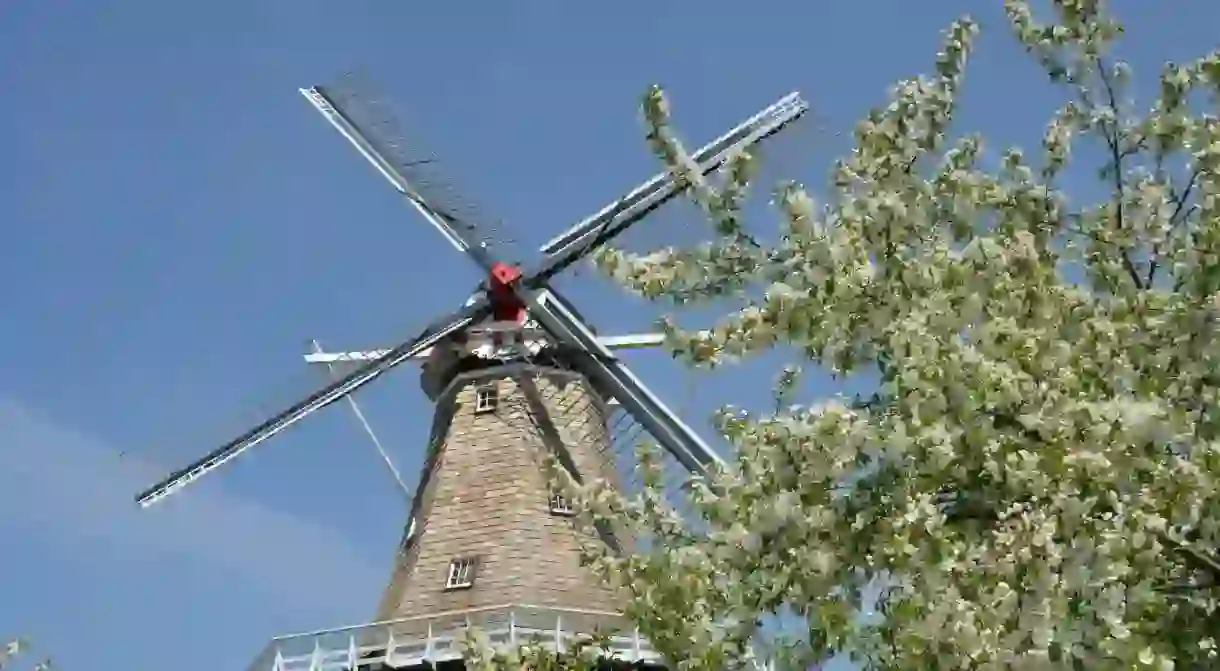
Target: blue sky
(177, 223)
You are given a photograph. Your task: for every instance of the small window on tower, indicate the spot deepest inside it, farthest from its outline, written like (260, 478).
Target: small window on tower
(461, 573)
(560, 505)
(486, 398)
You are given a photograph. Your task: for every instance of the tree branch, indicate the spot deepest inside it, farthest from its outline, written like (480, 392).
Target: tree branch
(1174, 221)
(1116, 155)
(1194, 557)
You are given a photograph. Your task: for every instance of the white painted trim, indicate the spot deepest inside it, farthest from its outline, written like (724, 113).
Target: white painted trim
(461, 573)
(486, 398)
(483, 338)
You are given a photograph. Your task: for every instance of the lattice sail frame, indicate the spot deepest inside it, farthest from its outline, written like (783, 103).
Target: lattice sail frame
(508, 291)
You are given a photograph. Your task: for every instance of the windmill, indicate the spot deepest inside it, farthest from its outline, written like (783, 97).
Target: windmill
(515, 374)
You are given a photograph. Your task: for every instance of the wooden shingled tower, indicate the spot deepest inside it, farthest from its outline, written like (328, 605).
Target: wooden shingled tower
(488, 530)
(517, 376)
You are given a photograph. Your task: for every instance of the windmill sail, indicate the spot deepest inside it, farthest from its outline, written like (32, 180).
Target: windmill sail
(371, 129)
(336, 391)
(363, 105)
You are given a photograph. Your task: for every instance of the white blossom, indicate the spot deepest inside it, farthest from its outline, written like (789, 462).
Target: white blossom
(16, 653)
(1034, 484)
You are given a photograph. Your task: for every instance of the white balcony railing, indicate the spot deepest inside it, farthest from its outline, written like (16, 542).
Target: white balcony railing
(437, 638)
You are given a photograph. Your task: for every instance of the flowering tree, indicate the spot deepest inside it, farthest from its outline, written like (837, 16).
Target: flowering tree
(1033, 484)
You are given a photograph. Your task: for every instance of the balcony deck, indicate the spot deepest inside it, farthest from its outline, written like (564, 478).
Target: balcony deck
(413, 642)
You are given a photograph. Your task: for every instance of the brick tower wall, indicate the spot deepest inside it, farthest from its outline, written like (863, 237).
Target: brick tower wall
(485, 495)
